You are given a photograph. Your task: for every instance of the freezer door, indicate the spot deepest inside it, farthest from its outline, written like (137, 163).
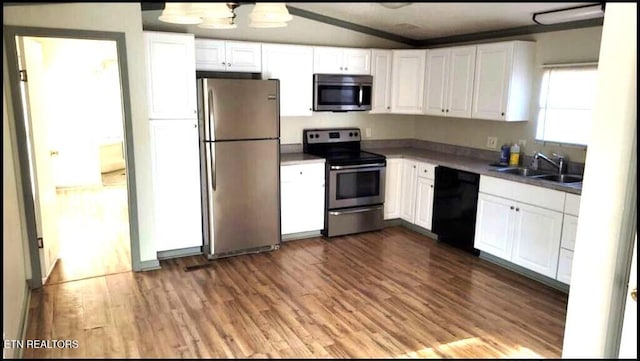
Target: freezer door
(244, 183)
(242, 109)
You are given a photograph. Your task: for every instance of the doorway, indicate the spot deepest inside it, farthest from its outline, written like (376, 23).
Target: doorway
(79, 163)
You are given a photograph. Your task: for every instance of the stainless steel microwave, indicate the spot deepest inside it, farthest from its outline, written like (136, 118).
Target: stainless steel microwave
(340, 93)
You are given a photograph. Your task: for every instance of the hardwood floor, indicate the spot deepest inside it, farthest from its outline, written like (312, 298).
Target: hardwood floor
(392, 293)
(93, 231)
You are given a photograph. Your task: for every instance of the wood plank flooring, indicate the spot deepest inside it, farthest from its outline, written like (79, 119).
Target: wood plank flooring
(93, 231)
(392, 293)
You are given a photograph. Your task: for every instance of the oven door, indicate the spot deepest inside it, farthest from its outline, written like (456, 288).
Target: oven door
(356, 185)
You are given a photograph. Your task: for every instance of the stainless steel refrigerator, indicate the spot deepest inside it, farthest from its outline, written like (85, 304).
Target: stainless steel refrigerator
(240, 165)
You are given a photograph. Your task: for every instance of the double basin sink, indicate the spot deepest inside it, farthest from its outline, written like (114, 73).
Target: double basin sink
(542, 175)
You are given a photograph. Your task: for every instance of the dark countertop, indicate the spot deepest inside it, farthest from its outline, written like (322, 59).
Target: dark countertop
(474, 165)
(299, 158)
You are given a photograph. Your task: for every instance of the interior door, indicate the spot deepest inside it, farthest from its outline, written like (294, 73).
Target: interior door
(629, 337)
(45, 198)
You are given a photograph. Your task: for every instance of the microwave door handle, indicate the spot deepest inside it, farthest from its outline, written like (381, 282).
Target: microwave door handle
(360, 97)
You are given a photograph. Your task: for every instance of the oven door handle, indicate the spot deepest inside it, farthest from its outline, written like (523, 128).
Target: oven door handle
(338, 167)
(360, 210)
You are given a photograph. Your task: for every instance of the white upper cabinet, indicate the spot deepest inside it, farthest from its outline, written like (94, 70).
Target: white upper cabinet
(171, 76)
(381, 71)
(293, 66)
(407, 81)
(331, 60)
(503, 81)
(221, 55)
(449, 81)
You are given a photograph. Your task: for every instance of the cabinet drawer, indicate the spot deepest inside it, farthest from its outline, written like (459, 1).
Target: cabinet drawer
(572, 204)
(565, 262)
(569, 228)
(426, 170)
(295, 172)
(525, 193)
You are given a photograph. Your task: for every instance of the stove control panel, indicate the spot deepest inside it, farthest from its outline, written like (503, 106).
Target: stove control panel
(316, 136)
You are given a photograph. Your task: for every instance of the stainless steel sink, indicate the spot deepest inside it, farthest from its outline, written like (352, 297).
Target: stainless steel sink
(561, 178)
(525, 172)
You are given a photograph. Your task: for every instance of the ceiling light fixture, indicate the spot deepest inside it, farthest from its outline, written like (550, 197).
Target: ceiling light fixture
(222, 15)
(571, 14)
(394, 5)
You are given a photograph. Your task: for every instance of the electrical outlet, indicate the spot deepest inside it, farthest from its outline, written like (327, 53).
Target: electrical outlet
(367, 132)
(522, 142)
(492, 142)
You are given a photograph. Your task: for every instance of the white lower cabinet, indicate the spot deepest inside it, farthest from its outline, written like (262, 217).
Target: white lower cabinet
(408, 192)
(176, 184)
(393, 188)
(536, 239)
(424, 202)
(525, 234)
(416, 192)
(568, 241)
(302, 197)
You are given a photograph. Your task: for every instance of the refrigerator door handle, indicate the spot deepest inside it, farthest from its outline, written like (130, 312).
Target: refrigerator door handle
(210, 121)
(212, 157)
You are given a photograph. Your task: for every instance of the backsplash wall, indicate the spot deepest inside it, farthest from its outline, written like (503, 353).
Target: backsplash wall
(568, 46)
(383, 126)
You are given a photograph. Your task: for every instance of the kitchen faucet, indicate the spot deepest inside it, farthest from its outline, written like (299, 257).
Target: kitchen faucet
(560, 165)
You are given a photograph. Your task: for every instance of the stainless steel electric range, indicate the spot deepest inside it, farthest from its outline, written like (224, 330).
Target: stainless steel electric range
(354, 181)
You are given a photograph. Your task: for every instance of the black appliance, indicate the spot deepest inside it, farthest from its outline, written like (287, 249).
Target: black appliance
(454, 207)
(354, 181)
(340, 93)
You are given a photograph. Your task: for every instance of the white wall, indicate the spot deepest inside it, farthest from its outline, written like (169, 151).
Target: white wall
(382, 126)
(568, 46)
(608, 207)
(116, 17)
(14, 262)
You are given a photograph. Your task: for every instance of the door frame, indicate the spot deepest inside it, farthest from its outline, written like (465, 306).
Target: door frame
(19, 135)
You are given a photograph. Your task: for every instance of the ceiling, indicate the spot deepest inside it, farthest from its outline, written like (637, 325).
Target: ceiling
(421, 23)
(428, 20)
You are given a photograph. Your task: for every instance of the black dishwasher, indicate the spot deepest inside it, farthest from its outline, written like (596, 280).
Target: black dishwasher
(454, 207)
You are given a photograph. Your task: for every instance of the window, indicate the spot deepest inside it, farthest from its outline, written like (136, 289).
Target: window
(567, 97)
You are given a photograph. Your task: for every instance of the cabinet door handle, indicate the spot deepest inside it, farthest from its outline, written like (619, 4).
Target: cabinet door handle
(502, 114)
(517, 209)
(442, 110)
(511, 207)
(228, 64)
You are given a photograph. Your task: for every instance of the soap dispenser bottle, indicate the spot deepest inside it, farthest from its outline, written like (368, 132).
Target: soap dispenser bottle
(514, 158)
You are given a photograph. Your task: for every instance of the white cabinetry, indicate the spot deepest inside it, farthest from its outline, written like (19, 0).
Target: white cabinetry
(381, 71)
(520, 223)
(175, 154)
(221, 55)
(407, 81)
(176, 184)
(424, 195)
(449, 81)
(408, 193)
(503, 81)
(416, 194)
(302, 197)
(331, 60)
(568, 241)
(293, 66)
(171, 81)
(393, 188)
